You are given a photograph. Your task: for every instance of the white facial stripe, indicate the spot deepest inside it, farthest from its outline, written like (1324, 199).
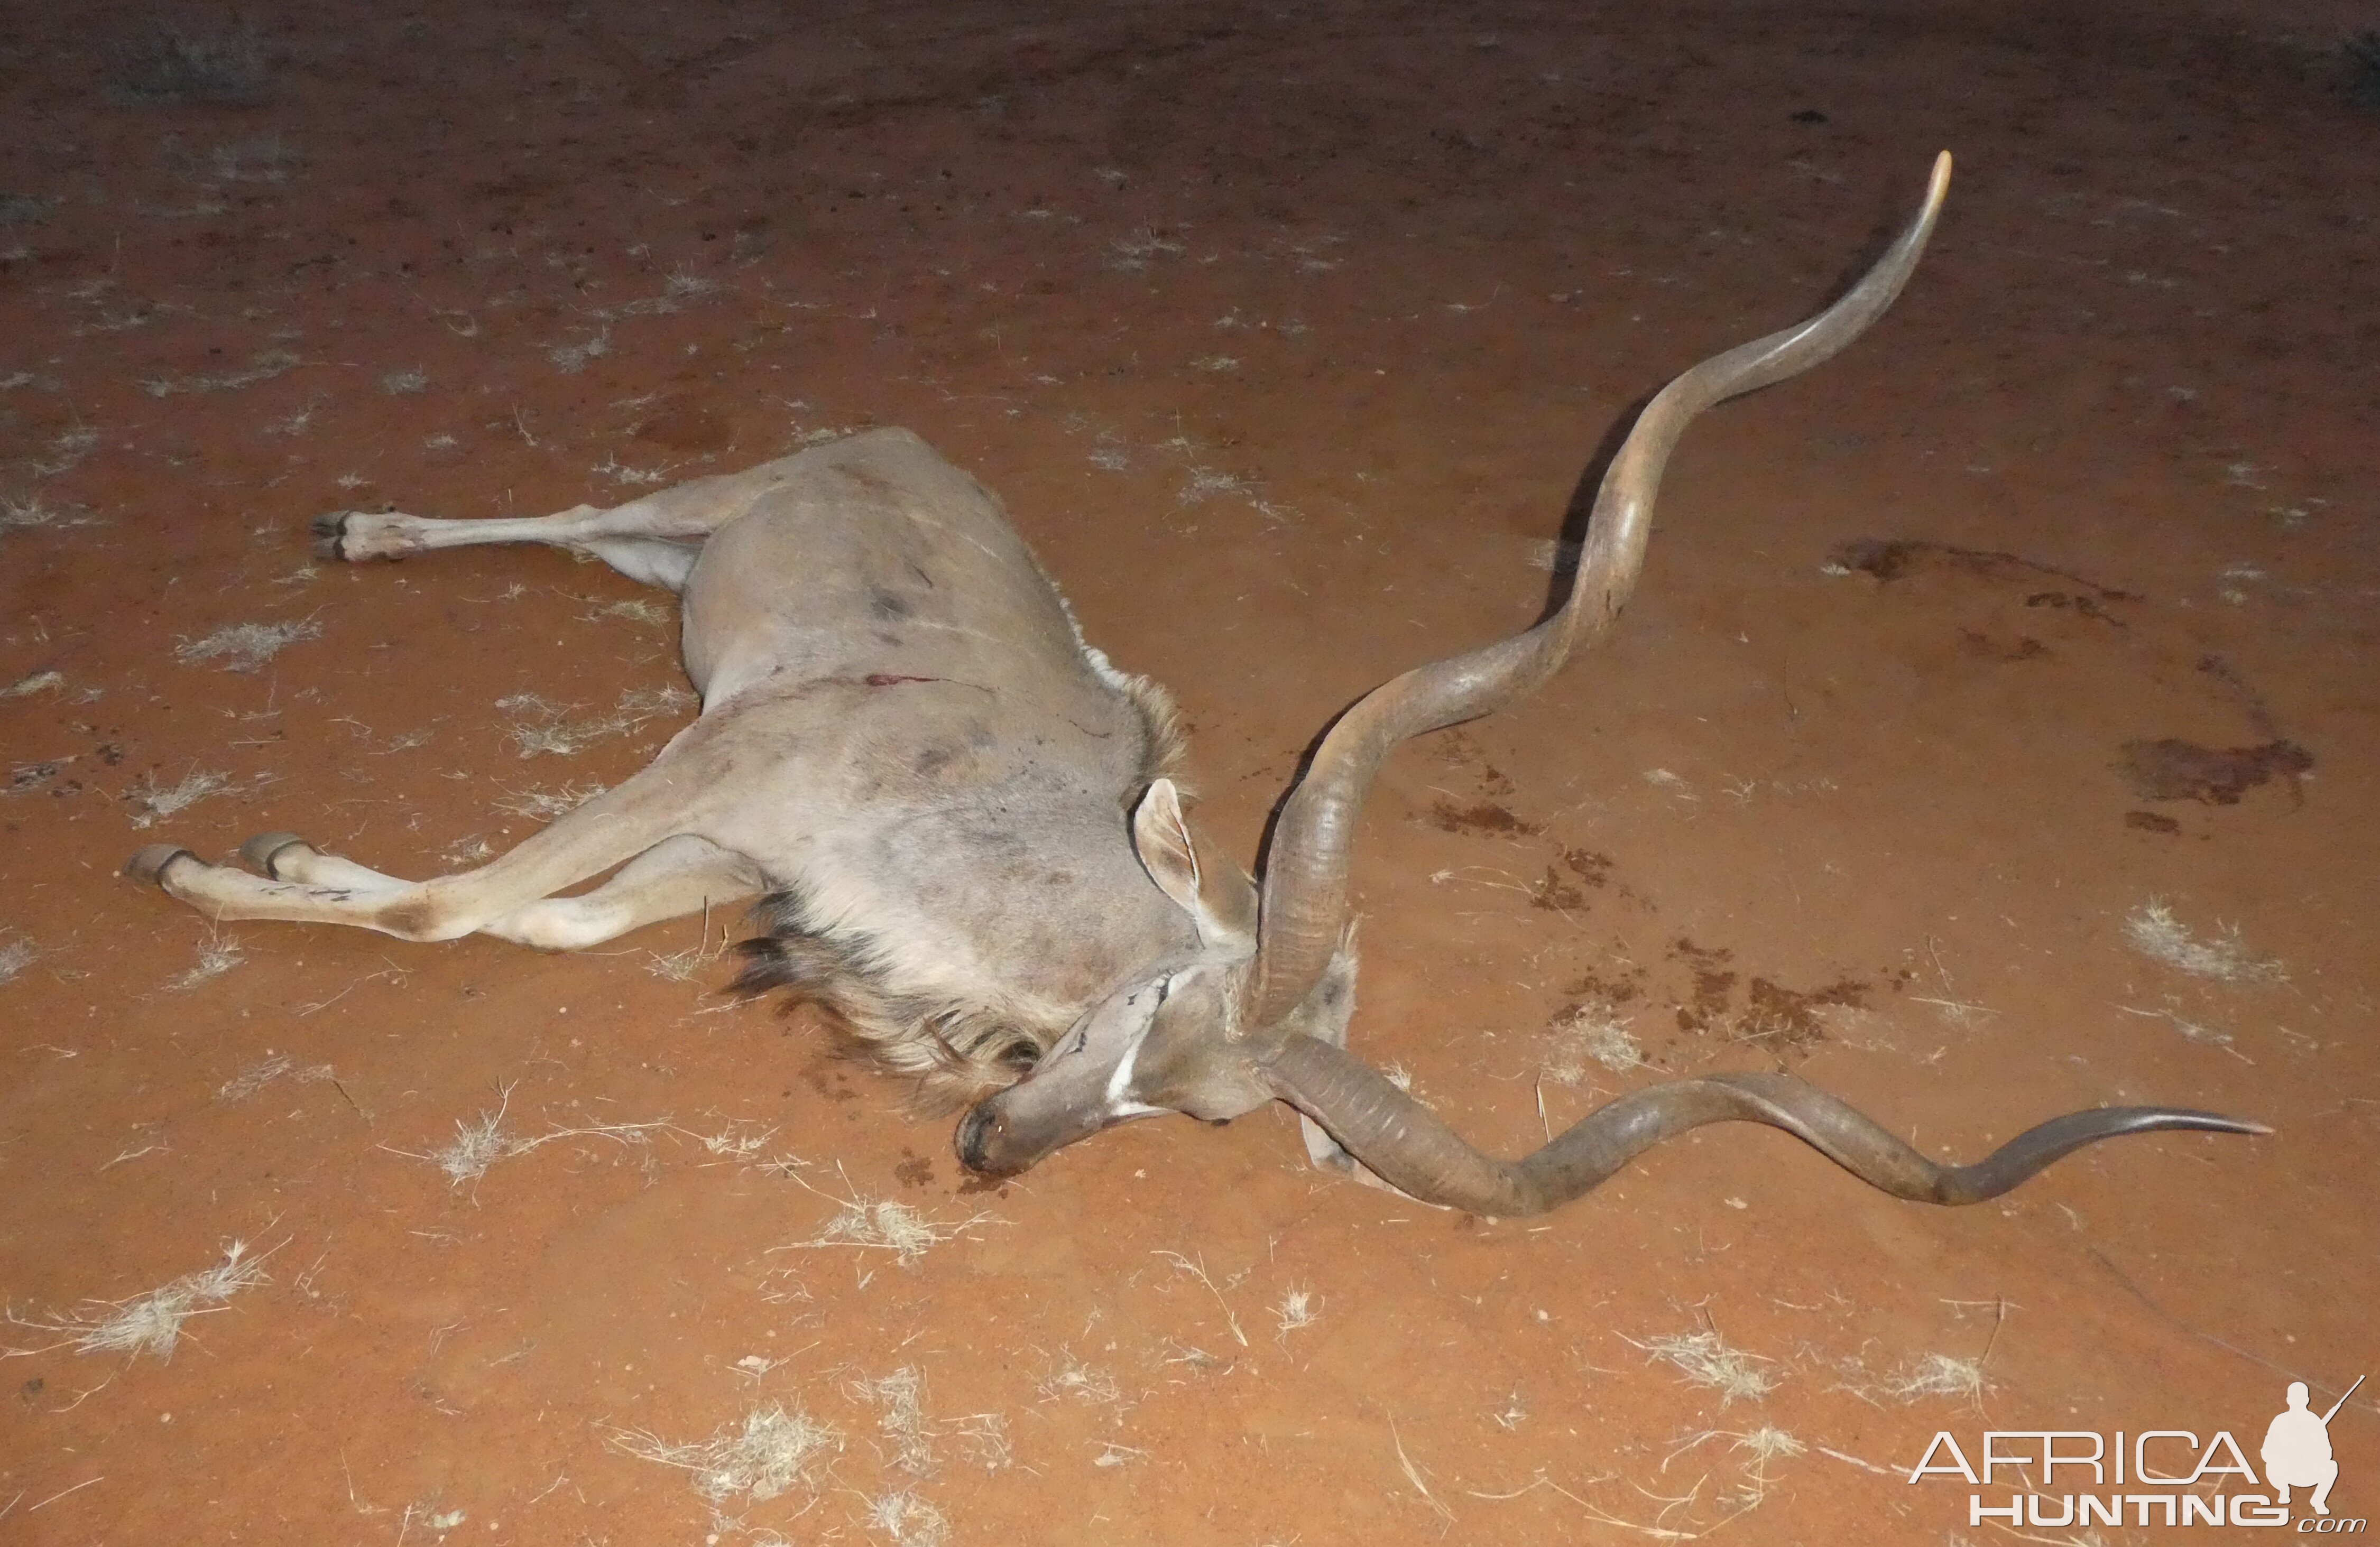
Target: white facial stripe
(1120, 1080)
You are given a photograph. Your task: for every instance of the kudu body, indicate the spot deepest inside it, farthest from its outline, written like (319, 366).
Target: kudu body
(960, 817)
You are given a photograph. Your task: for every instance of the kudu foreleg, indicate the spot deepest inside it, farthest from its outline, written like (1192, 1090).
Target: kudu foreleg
(618, 826)
(676, 877)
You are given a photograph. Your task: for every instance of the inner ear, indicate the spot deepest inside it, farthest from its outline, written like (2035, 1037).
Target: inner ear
(1212, 890)
(1161, 838)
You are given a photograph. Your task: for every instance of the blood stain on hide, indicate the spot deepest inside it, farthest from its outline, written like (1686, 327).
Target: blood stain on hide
(2149, 821)
(2171, 769)
(915, 1170)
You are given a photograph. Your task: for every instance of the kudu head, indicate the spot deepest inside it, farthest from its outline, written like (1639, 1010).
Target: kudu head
(1257, 1012)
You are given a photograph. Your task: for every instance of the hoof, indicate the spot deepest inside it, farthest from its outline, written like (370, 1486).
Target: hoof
(150, 864)
(330, 531)
(265, 847)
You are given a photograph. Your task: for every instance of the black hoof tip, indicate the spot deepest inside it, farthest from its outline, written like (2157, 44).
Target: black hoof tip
(261, 850)
(150, 864)
(331, 535)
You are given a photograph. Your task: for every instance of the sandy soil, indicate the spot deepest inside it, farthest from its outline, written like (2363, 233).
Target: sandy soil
(1287, 333)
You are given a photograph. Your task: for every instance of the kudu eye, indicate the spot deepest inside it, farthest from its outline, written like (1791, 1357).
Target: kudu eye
(1021, 1055)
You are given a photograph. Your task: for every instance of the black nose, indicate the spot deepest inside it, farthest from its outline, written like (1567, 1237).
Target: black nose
(974, 1133)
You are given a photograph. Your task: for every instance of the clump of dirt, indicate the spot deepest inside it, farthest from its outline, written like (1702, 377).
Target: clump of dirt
(2023, 647)
(1482, 818)
(2172, 769)
(1783, 1020)
(1774, 1017)
(682, 422)
(1897, 558)
(1596, 987)
(1560, 894)
(2083, 606)
(1712, 985)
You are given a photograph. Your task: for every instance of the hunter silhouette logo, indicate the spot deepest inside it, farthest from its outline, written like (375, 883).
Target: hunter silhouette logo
(2297, 1449)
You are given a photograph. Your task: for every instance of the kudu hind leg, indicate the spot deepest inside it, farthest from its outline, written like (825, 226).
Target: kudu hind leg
(654, 539)
(676, 877)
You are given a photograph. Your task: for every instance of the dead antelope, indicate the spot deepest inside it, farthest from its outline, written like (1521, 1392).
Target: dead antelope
(958, 817)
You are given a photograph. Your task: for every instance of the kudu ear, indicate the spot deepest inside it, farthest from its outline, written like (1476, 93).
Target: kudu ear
(1211, 889)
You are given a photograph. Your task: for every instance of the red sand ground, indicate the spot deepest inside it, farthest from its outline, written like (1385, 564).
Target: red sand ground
(1286, 332)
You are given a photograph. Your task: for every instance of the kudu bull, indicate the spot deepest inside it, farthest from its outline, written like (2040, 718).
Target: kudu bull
(959, 817)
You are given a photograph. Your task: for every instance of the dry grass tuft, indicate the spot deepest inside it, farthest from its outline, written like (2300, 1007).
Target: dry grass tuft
(245, 646)
(545, 805)
(894, 1226)
(1070, 1377)
(266, 1070)
(152, 1323)
(39, 681)
(571, 358)
(881, 1224)
(2152, 930)
(985, 1435)
(26, 515)
(633, 607)
(908, 1520)
(17, 953)
(156, 802)
(262, 368)
(541, 726)
(901, 1395)
(478, 1145)
(679, 966)
(1299, 1308)
(1938, 1375)
(1590, 1032)
(173, 63)
(219, 955)
(1705, 1358)
(777, 1448)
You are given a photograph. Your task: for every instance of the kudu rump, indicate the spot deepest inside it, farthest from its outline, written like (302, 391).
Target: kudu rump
(958, 819)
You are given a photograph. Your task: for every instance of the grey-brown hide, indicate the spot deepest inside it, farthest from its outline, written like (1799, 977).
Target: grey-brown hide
(960, 819)
(904, 743)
